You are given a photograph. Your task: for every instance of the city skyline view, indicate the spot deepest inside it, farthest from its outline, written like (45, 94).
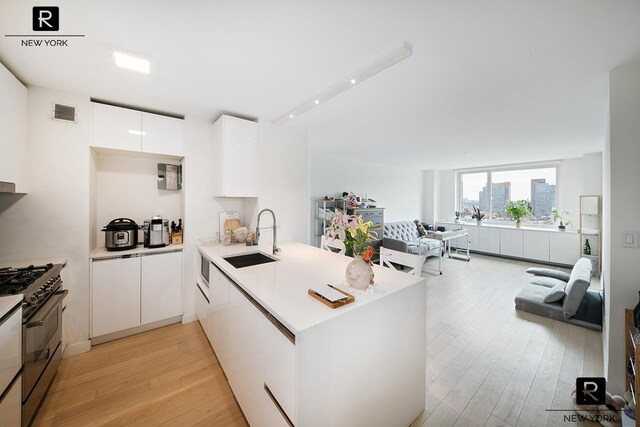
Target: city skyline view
(536, 185)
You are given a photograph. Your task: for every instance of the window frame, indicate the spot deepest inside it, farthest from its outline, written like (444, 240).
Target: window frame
(505, 168)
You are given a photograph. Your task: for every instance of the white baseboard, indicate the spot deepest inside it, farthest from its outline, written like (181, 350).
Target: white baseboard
(188, 318)
(77, 348)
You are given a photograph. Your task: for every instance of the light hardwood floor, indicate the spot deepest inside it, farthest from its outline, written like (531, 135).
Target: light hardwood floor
(167, 377)
(486, 364)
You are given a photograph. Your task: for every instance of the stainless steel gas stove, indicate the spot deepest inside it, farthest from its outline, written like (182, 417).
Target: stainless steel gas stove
(41, 328)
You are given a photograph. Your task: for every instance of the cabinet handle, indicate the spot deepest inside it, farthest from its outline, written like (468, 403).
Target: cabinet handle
(275, 402)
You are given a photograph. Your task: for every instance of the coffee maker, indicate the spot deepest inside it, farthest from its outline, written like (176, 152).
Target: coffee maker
(156, 232)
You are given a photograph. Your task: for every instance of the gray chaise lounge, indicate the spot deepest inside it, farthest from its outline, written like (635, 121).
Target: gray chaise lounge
(567, 296)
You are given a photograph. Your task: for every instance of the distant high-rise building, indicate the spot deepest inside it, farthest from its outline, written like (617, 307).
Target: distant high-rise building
(500, 197)
(543, 197)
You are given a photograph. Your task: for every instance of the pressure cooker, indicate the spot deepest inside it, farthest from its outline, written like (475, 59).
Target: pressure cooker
(120, 234)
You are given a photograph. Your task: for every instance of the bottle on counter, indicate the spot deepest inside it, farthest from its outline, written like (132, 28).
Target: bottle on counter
(587, 248)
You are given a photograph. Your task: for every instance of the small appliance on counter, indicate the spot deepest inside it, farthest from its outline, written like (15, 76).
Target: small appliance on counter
(156, 232)
(120, 234)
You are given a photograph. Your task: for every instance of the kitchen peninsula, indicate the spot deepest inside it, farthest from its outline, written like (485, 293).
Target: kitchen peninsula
(291, 360)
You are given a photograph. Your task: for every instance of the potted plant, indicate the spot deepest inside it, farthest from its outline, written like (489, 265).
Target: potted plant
(560, 215)
(477, 215)
(518, 209)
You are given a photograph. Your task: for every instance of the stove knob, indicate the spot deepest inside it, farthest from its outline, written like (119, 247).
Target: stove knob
(32, 299)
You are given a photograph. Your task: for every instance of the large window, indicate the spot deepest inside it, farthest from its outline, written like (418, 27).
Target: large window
(491, 190)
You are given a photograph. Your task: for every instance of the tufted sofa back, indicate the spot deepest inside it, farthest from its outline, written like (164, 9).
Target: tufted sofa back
(401, 230)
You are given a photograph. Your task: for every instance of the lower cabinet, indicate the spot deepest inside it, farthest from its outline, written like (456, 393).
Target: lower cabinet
(11, 405)
(511, 242)
(134, 291)
(536, 245)
(161, 297)
(564, 248)
(545, 245)
(115, 295)
(202, 307)
(252, 352)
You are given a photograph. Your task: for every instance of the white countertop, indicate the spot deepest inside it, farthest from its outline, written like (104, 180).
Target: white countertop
(510, 226)
(27, 262)
(8, 302)
(102, 253)
(281, 287)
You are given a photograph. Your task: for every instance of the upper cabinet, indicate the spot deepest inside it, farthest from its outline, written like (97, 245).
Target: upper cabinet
(161, 134)
(235, 157)
(13, 131)
(132, 130)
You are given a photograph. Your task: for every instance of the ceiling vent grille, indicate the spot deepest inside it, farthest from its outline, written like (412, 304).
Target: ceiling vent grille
(64, 113)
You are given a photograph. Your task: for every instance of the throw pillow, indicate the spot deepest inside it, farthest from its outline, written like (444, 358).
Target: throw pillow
(547, 282)
(548, 272)
(555, 294)
(421, 229)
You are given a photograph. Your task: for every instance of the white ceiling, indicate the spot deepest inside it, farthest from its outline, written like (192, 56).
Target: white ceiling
(507, 81)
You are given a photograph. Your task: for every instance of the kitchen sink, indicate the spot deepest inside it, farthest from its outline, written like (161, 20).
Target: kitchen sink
(247, 260)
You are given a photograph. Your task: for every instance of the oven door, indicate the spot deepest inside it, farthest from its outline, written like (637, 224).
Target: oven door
(41, 334)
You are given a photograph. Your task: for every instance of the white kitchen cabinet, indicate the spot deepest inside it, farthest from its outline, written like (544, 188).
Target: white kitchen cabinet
(116, 128)
(235, 157)
(536, 245)
(11, 405)
(202, 306)
(162, 134)
(280, 369)
(10, 348)
(245, 374)
(271, 415)
(135, 291)
(132, 130)
(218, 322)
(563, 248)
(13, 131)
(487, 240)
(161, 291)
(115, 295)
(511, 242)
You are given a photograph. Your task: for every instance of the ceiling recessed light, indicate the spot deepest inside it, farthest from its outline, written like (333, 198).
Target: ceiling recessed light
(467, 154)
(131, 62)
(377, 65)
(137, 132)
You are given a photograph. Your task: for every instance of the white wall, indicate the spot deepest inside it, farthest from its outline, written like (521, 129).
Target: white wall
(447, 204)
(283, 187)
(578, 176)
(622, 204)
(126, 186)
(52, 220)
(397, 189)
(283, 182)
(431, 201)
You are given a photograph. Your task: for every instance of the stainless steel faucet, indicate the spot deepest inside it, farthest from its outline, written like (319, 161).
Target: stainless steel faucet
(276, 249)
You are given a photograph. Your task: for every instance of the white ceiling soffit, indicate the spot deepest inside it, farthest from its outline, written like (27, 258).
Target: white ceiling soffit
(358, 76)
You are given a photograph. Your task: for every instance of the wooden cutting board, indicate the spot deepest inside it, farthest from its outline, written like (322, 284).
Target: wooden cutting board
(229, 220)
